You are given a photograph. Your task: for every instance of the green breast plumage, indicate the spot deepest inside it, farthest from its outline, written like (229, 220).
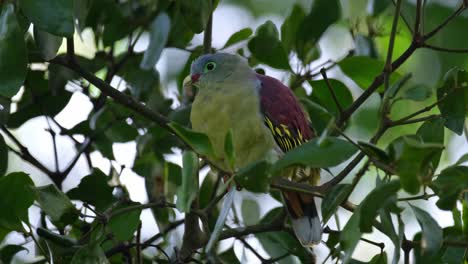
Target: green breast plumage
(216, 110)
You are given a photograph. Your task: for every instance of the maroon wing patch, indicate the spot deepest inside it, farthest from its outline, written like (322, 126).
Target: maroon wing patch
(283, 114)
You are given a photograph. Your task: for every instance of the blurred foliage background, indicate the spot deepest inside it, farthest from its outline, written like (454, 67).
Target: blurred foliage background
(95, 152)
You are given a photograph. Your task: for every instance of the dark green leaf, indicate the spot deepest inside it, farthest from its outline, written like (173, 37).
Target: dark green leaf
(250, 212)
(374, 151)
(187, 192)
(362, 70)
(432, 234)
(38, 98)
(350, 235)
(3, 156)
(319, 116)
(229, 256)
(4, 110)
(13, 57)
(454, 104)
(265, 43)
(376, 199)
(237, 37)
(9, 251)
(413, 159)
(395, 88)
(80, 12)
(196, 14)
(121, 132)
(389, 230)
(47, 43)
(255, 177)
(462, 159)
(16, 199)
(331, 152)
(290, 27)
(53, 16)
(322, 95)
(418, 93)
(94, 190)
(333, 199)
(159, 32)
(378, 6)
(323, 14)
(56, 205)
(56, 238)
(207, 189)
(124, 225)
(432, 131)
(198, 141)
(449, 184)
(90, 253)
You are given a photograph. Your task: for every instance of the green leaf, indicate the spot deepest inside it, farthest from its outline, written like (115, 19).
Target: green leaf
(95, 190)
(13, 57)
(333, 199)
(196, 14)
(432, 234)
(229, 256)
(124, 225)
(198, 141)
(319, 116)
(56, 205)
(454, 105)
(364, 76)
(187, 192)
(16, 199)
(432, 131)
(462, 159)
(121, 131)
(3, 156)
(47, 43)
(4, 110)
(350, 235)
(7, 252)
(377, 198)
(449, 184)
(389, 230)
(90, 253)
(255, 177)
(323, 14)
(331, 152)
(418, 93)
(395, 88)
(159, 32)
(322, 95)
(412, 159)
(207, 188)
(379, 6)
(80, 12)
(229, 149)
(237, 37)
(374, 151)
(290, 27)
(53, 16)
(265, 43)
(250, 212)
(56, 238)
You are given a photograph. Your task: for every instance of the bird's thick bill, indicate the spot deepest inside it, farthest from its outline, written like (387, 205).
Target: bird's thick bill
(187, 86)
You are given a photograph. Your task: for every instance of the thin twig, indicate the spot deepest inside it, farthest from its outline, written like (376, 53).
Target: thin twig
(388, 62)
(330, 89)
(450, 50)
(457, 12)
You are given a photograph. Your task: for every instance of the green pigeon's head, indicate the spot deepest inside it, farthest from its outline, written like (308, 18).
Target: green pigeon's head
(212, 69)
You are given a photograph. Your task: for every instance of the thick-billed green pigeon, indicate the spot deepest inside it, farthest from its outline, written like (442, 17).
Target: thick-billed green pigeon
(265, 120)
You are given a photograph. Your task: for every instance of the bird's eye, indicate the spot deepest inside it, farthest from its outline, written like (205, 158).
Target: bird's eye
(210, 66)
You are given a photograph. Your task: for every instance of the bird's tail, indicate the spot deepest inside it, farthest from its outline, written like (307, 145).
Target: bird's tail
(304, 217)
